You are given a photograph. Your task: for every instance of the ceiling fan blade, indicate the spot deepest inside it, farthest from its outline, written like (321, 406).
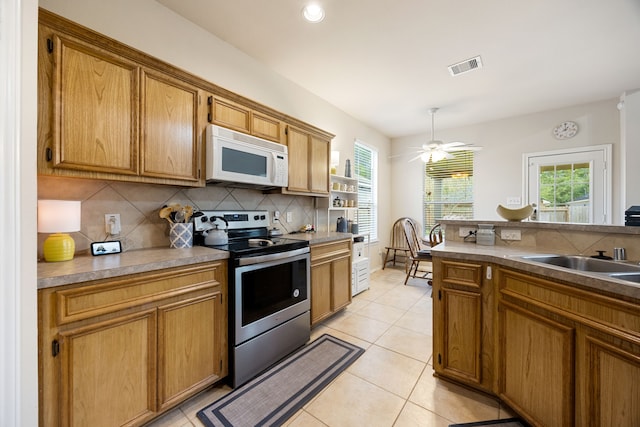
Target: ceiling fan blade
(465, 148)
(452, 144)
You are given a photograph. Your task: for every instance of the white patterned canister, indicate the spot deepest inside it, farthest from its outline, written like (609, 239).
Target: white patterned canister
(181, 235)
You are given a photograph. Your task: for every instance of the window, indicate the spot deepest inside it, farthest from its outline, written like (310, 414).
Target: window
(570, 185)
(366, 171)
(448, 189)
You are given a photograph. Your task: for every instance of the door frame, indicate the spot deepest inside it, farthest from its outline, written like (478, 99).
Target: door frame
(605, 149)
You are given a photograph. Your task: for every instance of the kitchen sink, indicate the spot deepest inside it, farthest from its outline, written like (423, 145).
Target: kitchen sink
(584, 263)
(631, 277)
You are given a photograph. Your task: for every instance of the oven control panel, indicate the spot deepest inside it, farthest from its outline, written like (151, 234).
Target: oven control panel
(204, 220)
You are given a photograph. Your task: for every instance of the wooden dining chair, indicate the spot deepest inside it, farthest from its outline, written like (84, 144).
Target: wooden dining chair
(417, 254)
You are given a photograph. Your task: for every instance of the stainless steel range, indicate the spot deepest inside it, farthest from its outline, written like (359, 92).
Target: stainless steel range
(268, 290)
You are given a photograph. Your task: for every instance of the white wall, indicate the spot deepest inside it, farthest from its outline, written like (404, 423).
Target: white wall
(18, 295)
(498, 167)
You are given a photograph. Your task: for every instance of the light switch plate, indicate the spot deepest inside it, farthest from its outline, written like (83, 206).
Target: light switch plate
(510, 235)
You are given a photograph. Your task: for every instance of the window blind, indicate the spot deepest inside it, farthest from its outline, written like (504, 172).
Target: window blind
(365, 167)
(448, 189)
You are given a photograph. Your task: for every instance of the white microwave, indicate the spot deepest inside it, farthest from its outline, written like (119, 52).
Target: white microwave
(237, 158)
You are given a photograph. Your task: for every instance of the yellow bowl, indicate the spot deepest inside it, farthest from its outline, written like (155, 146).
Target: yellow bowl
(515, 214)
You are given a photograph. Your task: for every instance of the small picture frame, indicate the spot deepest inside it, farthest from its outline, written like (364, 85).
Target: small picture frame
(106, 248)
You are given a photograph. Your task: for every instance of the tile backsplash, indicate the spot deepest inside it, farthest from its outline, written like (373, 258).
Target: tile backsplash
(139, 204)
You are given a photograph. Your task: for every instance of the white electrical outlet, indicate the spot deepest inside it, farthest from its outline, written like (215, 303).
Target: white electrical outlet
(112, 223)
(465, 231)
(289, 216)
(510, 235)
(515, 200)
(276, 216)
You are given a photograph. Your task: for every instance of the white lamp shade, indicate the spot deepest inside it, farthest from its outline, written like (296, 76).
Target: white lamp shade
(58, 216)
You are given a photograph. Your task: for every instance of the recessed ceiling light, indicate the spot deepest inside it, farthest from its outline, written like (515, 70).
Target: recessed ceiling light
(313, 12)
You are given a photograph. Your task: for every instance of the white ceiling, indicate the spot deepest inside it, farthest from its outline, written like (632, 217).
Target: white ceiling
(385, 62)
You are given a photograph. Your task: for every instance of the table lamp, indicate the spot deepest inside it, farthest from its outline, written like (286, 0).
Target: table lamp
(58, 217)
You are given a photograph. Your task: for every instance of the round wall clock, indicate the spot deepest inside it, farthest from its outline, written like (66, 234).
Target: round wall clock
(565, 130)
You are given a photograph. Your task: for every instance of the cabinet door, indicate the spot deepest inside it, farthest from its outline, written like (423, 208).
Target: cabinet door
(95, 109)
(319, 164)
(612, 386)
(228, 114)
(108, 372)
(266, 127)
(298, 145)
(170, 133)
(461, 335)
(340, 283)
(537, 366)
(320, 292)
(190, 339)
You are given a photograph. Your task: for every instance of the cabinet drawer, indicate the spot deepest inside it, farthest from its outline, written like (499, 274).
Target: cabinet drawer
(107, 296)
(326, 251)
(465, 274)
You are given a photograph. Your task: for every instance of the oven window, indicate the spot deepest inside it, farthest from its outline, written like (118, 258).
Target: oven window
(266, 291)
(243, 162)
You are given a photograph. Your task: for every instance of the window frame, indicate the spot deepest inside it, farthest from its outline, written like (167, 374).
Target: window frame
(372, 185)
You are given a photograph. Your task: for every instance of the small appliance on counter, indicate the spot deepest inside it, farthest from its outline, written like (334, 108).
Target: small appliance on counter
(632, 216)
(485, 235)
(342, 226)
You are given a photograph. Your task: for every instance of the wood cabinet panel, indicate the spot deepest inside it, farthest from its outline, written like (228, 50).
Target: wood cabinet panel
(95, 109)
(266, 127)
(321, 279)
(330, 279)
(537, 371)
(460, 273)
(462, 335)
(612, 384)
(231, 115)
(341, 278)
(319, 165)
(170, 139)
(188, 357)
(298, 147)
(108, 372)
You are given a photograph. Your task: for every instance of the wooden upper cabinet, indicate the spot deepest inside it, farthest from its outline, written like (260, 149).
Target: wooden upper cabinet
(238, 117)
(229, 114)
(308, 162)
(107, 111)
(95, 109)
(169, 143)
(267, 127)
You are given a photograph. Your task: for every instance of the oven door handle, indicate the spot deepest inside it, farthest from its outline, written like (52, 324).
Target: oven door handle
(271, 257)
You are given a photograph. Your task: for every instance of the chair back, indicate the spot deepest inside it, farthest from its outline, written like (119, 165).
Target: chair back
(435, 235)
(398, 240)
(411, 237)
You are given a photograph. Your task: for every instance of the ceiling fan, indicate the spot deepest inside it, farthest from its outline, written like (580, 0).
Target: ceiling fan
(435, 150)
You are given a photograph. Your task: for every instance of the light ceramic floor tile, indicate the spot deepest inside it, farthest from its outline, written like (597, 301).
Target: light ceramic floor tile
(407, 342)
(453, 402)
(304, 419)
(191, 407)
(359, 326)
(173, 418)
(389, 370)
(399, 298)
(417, 322)
(320, 330)
(382, 312)
(352, 401)
(413, 415)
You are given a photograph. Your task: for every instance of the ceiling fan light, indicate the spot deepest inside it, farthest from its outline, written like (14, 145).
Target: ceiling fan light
(313, 12)
(438, 155)
(425, 157)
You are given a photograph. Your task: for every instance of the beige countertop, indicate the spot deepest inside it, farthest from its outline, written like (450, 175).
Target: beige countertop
(511, 257)
(86, 267)
(317, 237)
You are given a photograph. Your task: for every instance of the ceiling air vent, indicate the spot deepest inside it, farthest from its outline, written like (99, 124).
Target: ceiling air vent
(465, 66)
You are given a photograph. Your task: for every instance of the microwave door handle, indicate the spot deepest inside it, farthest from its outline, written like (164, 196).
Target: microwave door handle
(274, 162)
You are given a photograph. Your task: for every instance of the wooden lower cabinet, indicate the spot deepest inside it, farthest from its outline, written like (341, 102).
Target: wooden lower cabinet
(568, 356)
(463, 322)
(537, 375)
(330, 279)
(121, 351)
